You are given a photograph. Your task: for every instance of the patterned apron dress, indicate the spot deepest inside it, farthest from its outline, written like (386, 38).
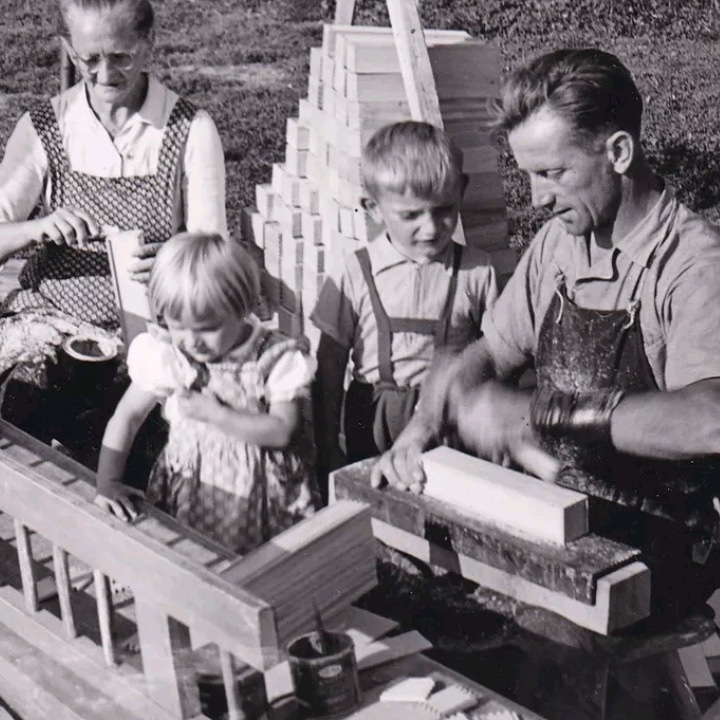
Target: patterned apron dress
(239, 494)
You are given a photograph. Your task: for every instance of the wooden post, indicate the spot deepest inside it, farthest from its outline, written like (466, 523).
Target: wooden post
(414, 60)
(67, 69)
(62, 580)
(344, 12)
(167, 662)
(103, 598)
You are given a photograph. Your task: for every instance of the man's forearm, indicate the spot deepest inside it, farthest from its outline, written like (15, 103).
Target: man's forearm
(675, 425)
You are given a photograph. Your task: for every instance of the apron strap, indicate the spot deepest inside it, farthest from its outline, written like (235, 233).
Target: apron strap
(381, 318)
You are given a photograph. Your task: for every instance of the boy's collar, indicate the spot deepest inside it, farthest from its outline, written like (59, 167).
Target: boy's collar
(385, 255)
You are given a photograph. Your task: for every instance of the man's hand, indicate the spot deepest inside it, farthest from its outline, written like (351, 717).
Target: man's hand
(140, 270)
(493, 419)
(119, 500)
(401, 465)
(68, 226)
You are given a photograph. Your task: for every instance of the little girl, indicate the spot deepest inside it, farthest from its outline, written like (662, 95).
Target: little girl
(238, 461)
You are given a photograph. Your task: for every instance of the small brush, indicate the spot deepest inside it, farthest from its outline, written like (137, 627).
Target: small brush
(323, 637)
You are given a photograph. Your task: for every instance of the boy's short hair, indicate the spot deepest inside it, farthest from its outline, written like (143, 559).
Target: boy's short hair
(200, 275)
(589, 88)
(414, 156)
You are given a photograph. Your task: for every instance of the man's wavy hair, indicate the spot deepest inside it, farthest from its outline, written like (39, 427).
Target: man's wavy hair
(591, 89)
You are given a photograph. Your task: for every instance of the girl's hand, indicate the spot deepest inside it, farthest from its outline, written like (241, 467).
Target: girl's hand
(119, 500)
(204, 407)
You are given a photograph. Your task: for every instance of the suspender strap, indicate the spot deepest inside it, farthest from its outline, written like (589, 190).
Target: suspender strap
(443, 324)
(422, 326)
(381, 319)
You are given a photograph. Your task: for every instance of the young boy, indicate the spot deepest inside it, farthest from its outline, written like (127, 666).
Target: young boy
(410, 291)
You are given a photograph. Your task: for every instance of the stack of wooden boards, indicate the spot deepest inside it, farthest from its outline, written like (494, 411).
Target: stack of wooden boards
(511, 534)
(309, 217)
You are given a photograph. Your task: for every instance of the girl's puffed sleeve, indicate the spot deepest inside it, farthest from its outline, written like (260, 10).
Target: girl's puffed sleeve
(290, 378)
(150, 365)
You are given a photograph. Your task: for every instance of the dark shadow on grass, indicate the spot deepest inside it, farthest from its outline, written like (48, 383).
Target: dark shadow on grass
(694, 172)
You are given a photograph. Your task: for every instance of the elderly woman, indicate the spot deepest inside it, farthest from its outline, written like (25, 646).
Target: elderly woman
(117, 149)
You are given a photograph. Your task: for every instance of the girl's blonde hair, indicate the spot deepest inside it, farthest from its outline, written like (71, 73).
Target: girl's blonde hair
(202, 276)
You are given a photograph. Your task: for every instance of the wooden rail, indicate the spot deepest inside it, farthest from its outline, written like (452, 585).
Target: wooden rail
(176, 582)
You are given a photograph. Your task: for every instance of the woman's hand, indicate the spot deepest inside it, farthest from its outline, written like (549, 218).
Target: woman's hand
(203, 407)
(68, 226)
(140, 270)
(119, 500)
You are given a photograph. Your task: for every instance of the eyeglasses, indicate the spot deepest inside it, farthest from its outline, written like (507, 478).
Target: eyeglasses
(117, 61)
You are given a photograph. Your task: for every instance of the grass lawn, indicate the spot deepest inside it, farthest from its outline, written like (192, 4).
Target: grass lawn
(246, 62)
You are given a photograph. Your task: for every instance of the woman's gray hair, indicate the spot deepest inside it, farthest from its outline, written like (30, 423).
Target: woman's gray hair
(140, 13)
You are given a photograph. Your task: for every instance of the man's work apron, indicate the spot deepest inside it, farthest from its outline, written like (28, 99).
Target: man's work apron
(664, 508)
(376, 414)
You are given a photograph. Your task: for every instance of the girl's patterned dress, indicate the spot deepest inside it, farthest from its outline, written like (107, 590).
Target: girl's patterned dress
(239, 494)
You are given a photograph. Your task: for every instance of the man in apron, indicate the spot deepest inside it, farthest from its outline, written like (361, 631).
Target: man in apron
(616, 304)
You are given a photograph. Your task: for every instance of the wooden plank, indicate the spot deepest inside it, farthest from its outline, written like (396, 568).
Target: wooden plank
(466, 70)
(62, 580)
(415, 66)
(191, 594)
(572, 570)
(622, 596)
(27, 570)
(390, 649)
(518, 503)
(167, 662)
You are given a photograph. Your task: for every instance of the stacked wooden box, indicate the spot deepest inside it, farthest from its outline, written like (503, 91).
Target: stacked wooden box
(308, 218)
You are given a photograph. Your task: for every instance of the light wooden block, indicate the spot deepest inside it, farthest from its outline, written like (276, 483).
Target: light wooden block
(265, 200)
(316, 55)
(347, 193)
(382, 87)
(377, 54)
(298, 134)
(328, 70)
(346, 222)
(252, 226)
(277, 177)
(308, 196)
(314, 257)
(312, 228)
(290, 219)
(314, 95)
(341, 109)
(514, 502)
(312, 169)
(305, 112)
(296, 162)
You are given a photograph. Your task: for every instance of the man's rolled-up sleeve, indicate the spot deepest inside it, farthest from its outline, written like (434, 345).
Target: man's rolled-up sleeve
(691, 312)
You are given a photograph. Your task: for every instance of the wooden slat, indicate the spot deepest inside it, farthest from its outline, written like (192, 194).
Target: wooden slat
(518, 503)
(344, 12)
(189, 593)
(414, 60)
(27, 571)
(228, 666)
(167, 662)
(572, 570)
(103, 597)
(62, 580)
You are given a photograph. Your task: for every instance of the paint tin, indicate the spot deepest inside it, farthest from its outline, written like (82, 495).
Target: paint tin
(87, 364)
(325, 683)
